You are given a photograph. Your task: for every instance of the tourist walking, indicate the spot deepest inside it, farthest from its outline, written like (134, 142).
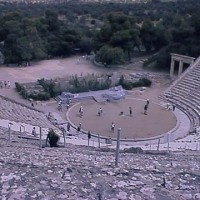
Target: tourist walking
(5, 84)
(81, 111)
(79, 128)
(34, 131)
(89, 137)
(100, 111)
(145, 109)
(113, 127)
(130, 111)
(1, 84)
(32, 104)
(168, 106)
(68, 127)
(49, 116)
(8, 84)
(60, 105)
(147, 102)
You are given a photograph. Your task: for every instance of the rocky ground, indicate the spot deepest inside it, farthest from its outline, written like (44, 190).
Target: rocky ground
(80, 173)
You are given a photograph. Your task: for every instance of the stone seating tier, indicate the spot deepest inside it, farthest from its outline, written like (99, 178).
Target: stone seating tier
(188, 83)
(191, 95)
(191, 114)
(185, 101)
(188, 106)
(79, 173)
(185, 92)
(20, 113)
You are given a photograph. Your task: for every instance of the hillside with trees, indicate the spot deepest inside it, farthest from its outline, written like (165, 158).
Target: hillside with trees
(114, 32)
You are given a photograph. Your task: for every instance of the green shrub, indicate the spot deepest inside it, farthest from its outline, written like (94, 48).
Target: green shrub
(121, 80)
(94, 85)
(50, 87)
(145, 82)
(23, 94)
(105, 85)
(18, 87)
(127, 85)
(42, 96)
(35, 95)
(87, 83)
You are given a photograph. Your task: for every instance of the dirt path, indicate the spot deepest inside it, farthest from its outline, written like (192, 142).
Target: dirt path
(49, 69)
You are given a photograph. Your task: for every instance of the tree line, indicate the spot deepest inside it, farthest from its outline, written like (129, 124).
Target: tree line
(114, 32)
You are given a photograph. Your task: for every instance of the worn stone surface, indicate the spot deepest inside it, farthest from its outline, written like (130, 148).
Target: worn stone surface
(80, 173)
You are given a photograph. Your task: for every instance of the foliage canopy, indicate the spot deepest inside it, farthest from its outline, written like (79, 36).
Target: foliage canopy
(37, 31)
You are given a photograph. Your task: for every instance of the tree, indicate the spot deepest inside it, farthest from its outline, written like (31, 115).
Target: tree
(147, 33)
(10, 50)
(195, 20)
(110, 56)
(51, 19)
(119, 31)
(86, 45)
(70, 39)
(162, 36)
(181, 29)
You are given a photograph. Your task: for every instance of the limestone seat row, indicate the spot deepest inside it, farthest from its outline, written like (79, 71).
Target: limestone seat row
(17, 112)
(185, 94)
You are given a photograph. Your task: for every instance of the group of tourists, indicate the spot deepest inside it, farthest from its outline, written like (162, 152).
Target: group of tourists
(170, 107)
(60, 105)
(112, 126)
(4, 84)
(100, 112)
(83, 58)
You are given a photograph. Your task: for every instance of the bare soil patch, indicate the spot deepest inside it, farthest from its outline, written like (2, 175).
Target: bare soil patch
(155, 123)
